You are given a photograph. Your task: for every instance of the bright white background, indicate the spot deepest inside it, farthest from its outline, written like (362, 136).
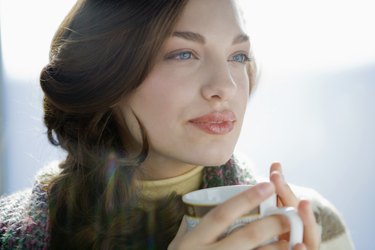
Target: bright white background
(313, 109)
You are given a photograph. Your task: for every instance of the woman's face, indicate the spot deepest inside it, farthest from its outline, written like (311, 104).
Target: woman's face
(193, 101)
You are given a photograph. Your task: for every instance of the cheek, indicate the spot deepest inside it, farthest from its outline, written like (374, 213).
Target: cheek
(131, 123)
(166, 91)
(240, 75)
(159, 104)
(243, 87)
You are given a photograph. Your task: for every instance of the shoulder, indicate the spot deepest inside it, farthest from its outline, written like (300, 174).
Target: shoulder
(335, 234)
(24, 215)
(14, 205)
(14, 218)
(47, 173)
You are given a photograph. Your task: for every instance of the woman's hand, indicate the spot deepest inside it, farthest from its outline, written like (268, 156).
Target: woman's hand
(311, 237)
(207, 234)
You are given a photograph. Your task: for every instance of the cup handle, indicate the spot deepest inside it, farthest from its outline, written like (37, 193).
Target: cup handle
(296, 225)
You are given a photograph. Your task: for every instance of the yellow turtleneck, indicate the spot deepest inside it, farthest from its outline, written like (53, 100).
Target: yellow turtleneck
(182, 184)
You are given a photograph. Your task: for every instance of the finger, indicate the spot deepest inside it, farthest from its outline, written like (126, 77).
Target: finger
(278, 245)
(182, 229)
(221, 217)
(283, 190)
(255, 233)
(276, 166)
(311, 237)
(300, 246)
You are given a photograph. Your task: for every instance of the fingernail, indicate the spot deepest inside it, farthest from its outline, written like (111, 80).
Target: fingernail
(300, 246)
(276, 172)
(306, 203)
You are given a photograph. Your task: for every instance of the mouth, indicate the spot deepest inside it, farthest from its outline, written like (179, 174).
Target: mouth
(215, 123)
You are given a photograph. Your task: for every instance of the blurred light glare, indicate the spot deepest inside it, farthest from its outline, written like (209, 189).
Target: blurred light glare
(288, 36)
(292, 36)
(27, 28)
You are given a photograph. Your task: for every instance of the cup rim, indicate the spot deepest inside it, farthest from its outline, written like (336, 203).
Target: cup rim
(190, 198)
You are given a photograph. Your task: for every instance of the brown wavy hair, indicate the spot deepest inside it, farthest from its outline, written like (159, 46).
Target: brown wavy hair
(102, 51)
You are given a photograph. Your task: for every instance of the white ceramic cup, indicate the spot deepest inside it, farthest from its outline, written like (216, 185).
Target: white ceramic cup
(200, 202)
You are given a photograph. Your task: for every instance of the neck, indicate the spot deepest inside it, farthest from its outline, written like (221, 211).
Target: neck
(157, 168)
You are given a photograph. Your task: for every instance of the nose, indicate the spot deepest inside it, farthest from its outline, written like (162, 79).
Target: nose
(220, 84)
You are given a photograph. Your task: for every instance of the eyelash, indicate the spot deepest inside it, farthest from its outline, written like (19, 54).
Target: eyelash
(245, 58)
(181, 56)
(177, 56)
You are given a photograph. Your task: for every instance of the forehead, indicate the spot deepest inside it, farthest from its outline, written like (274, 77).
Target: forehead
(211, 16)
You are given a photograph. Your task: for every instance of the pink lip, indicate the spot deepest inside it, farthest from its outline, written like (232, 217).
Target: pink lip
(216, 123)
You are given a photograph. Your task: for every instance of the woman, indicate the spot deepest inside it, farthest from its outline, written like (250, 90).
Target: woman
(143, 94)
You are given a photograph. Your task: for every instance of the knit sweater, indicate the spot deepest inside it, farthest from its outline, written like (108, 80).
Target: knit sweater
(24, 215)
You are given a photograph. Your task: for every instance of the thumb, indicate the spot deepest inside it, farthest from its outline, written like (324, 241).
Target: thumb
(182, 229)
(180, 234)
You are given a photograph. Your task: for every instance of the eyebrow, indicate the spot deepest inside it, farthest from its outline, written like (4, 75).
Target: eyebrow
(241, 38)
(196, 37)
(191, 36)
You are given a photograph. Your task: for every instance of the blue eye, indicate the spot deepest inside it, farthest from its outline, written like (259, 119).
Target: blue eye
(185, 55)
(241, 58)
(182, 56)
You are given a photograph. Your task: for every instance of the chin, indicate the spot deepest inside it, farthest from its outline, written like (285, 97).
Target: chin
(214, 158)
